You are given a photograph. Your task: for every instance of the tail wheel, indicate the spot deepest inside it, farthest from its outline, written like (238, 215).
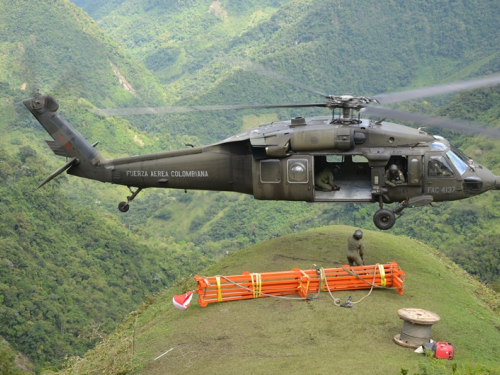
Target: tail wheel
(123, 206)
(384, 219)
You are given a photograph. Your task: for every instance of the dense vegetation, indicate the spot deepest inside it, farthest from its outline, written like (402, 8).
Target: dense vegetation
(363, 48)
(67, 274)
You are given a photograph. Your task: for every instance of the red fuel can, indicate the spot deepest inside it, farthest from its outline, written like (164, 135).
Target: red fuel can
(443, 350)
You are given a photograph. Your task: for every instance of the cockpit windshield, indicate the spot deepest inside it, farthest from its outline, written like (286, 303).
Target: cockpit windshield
(461, 155)
(457, 162)
(438, 146)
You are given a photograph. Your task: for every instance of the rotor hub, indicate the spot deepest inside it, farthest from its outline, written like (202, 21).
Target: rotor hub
(348, 101)
(348, 104)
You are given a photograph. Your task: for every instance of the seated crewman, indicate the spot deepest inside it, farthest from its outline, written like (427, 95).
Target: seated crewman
(394, 176)
(324, 181)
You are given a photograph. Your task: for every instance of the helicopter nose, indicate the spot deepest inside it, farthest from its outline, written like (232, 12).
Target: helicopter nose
(497, 182)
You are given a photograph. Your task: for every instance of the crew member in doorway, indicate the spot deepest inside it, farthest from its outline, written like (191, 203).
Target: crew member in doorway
(324, 181)
(355, 249)
(394, 176)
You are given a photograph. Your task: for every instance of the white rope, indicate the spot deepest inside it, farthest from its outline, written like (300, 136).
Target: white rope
(258, 292)
(336, 301)
(161, 355)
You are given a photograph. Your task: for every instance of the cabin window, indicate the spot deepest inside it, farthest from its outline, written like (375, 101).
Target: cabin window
(334, 158)
(414, 169)
(439, 167)
(359, 159)
(270, 171)
(298, 171)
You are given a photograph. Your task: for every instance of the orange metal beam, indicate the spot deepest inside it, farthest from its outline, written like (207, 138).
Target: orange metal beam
(254, 285)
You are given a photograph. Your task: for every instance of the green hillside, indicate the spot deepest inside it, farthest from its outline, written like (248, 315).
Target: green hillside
(69, 272)
(269, 336)
(83, 63)
(347, 42)
(12, 362)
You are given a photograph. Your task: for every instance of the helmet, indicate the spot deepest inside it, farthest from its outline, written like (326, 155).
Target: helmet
(393, 169)
(358, 234)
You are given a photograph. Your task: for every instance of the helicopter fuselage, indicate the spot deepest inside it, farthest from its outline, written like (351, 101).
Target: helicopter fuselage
(281, 161)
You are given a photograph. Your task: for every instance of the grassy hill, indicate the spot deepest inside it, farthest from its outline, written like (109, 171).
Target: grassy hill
(269, 336)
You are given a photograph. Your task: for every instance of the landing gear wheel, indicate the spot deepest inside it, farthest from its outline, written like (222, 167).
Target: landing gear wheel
(384, 219)
(123, 206)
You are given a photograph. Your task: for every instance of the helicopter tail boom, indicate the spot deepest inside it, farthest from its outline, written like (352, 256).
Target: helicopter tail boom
(85, 160)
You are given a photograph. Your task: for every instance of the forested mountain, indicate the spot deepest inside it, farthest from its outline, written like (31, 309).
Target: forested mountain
(68, 273)
(69, 261)
(331, 46)
(69, 56)
(65, 271)
(334, 47)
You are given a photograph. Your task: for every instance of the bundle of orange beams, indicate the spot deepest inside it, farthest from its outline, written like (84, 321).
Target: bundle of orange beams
(302, 282)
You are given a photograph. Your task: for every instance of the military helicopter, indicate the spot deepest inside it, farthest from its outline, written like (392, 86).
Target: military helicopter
(280, 160)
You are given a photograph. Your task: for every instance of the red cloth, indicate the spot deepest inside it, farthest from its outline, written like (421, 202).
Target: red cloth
(182, 302)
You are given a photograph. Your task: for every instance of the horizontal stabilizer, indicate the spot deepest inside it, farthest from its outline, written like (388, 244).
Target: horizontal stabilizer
(59, 170)
(58, 148)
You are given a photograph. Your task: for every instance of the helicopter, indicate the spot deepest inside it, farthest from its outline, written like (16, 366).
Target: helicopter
(280, 160)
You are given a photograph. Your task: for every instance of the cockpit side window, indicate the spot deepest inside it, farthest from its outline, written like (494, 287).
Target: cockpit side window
(439, 167)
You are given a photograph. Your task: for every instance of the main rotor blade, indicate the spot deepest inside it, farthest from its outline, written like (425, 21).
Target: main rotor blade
(163, 110)
(266, 72)
(446, 88)
(425, 120)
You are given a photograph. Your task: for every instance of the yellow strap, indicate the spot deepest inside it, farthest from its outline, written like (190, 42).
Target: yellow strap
(260, 285)
(308, 280)
(253, 284)
(382, 274)
(256, 284)
(323, 279)
(219, 294)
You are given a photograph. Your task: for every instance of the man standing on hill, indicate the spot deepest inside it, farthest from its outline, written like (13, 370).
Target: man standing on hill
(355, 249)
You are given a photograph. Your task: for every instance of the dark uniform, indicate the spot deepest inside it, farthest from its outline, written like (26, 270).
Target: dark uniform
(355, 249)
